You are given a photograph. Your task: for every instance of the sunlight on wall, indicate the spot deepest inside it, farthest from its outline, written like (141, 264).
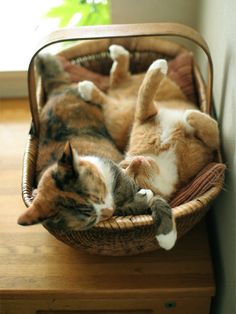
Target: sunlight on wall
(21, 26)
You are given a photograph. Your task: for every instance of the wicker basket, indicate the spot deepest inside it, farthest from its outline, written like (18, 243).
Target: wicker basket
(128, 235)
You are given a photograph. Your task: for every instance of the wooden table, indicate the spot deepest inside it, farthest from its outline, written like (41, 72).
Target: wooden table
(39, 274)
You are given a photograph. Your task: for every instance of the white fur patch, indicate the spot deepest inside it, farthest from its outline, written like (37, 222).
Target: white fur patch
(146, 192)
(85, 89)
(167, 241)
(98, 208)
(168, 177)
(159, 64)
(168, 119)
(116, 51)
(108, 177)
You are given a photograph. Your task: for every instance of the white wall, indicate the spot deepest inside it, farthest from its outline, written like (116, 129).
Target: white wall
(217, 23)
(138, 11)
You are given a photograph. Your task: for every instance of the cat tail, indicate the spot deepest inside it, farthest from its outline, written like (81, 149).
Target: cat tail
(145, 107)
(51, 71)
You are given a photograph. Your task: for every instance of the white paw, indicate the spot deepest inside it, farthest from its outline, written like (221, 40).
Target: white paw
(159, 64)
(116, 51)
(148, 193)
(85, 89)
(167, 241)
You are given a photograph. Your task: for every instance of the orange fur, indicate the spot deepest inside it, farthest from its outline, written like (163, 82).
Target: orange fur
(136, 100)
(121, 97)
(171, 128)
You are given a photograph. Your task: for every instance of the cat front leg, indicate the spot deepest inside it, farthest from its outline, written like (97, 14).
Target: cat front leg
(89, 92)
(204, 127)
(120, 66)
(164, 221)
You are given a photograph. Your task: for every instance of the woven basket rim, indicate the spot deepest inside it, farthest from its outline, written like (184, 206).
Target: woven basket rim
(93, 46)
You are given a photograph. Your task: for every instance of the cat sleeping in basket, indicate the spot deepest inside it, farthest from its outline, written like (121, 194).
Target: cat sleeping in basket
(170, 139)
(77, 177)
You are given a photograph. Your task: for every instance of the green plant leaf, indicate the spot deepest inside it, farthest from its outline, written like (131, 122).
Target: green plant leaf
(91, 13)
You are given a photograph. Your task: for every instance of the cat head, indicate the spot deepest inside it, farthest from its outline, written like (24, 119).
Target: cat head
(143, 170)
(70, 195)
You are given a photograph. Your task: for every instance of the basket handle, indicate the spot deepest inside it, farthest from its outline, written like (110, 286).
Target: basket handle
(113, 31)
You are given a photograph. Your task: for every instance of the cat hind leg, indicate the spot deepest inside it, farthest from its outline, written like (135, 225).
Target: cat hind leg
(205, 128)
(116, 51)
(120, 67)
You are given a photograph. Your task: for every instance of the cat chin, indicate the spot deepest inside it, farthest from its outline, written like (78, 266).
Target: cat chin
(167, 241)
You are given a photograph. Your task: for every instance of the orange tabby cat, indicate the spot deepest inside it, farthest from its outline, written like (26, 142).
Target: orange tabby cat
(170, 140)
(121, 97)
(164, 124)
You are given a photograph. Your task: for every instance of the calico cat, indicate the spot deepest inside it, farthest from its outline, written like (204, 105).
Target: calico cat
(170, 140)
(66, 117)
(78, 181)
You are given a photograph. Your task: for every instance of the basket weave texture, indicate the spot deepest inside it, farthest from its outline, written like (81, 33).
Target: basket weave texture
(130, 235)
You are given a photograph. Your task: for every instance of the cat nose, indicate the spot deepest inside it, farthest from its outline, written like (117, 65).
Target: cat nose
(137, 161)
(135, 165)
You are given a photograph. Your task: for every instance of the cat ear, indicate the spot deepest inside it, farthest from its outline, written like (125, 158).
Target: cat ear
(66, 162)
(66, 159)
(33, 215)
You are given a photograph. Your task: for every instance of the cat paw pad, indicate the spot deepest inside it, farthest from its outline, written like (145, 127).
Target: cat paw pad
(146, 192)
(167, 241)
(159, 64)
(85, 89)
(116, 51)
